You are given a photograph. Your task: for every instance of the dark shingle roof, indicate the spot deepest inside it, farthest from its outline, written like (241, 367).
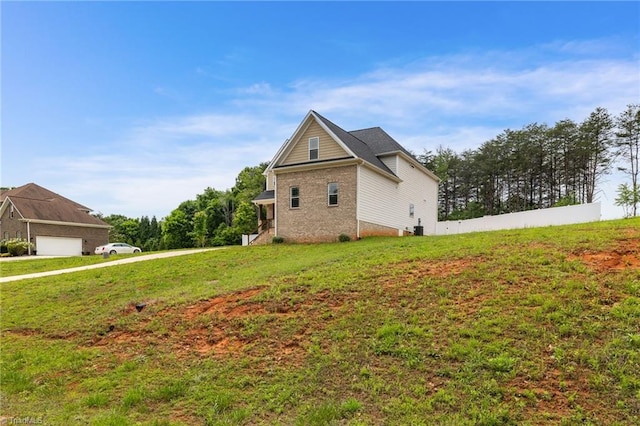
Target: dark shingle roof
(38, 203)
(379, 141)
(266, 195)
(356, 144)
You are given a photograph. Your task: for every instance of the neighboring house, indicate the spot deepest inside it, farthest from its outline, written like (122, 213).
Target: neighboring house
(325, 181)
(53, 223)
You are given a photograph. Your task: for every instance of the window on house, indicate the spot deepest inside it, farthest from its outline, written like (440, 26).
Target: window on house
(314, 148)
(11, 212)
(411, 210)
(19, 235)
(294, 198)
(333, 194)
(6, 235)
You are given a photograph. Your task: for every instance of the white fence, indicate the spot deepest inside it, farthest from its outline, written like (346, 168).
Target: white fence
(247, 239)
(533, 218)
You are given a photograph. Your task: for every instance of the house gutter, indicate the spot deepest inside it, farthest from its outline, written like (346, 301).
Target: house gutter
(56, 222)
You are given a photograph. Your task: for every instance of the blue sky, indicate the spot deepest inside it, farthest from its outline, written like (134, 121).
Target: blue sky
(133, 107)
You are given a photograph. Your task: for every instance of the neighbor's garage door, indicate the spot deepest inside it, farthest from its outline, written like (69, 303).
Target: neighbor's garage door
(58, 246)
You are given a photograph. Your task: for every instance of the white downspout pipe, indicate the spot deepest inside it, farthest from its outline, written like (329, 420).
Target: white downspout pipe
(28, 238)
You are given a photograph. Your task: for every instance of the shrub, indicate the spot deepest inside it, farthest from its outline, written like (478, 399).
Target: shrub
(18, 247)
(277, 240)
(343, 238)
(3, 247)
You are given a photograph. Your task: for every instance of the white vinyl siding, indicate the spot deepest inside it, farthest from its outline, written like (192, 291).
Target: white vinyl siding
(327, 147)
(391, 162)
(420, 190)
(385, 202)
(377, 198)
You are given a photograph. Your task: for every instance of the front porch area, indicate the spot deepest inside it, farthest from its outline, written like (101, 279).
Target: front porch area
(266, 220)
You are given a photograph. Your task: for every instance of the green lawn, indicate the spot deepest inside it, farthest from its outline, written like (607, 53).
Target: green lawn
(528, 327)
(33, 264)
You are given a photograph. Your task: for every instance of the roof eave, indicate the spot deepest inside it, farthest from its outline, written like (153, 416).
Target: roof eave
(380, 171)
(413, 161)
(5, 204)
(317, 165)
(61, 223)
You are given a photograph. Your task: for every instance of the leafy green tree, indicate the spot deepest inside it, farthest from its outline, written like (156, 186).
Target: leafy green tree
(116, 232)
(176, 230)
(129, 230)
(245, 219)
(200, 228)
(563, 139)
(203, 200)
(628, 148)
(567, 200)
(144, 229)
(249, 183)
(226, 235)
(596, 143)
(445, 165)
(628, 199)
(217, 210)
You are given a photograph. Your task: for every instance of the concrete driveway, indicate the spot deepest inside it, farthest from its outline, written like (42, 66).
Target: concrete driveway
(107, 264)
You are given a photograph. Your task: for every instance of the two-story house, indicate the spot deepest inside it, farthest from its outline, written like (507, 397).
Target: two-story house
(325, 181)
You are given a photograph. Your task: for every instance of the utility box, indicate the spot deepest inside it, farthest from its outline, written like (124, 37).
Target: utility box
(105, 255)
(418, 231)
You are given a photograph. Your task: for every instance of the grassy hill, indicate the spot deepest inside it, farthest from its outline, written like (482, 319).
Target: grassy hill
(529, 327)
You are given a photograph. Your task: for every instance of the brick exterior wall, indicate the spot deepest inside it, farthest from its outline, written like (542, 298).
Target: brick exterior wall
(12, 226)
(368, 229)
(315, 220)
(91, 237)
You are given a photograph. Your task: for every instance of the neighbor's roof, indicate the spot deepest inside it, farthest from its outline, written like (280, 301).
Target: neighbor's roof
(37, 203)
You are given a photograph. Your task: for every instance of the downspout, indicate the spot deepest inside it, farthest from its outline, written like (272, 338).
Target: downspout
(358, 201)
(275, 204)
(28, 238)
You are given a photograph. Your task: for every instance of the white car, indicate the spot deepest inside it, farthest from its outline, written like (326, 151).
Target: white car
(117, 248)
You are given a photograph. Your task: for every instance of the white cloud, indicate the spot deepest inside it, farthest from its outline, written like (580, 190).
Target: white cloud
(456, 101)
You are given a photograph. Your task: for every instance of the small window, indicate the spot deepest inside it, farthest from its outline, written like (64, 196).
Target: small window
(6, 235)
(11, 212)
(19, 235)
(411, 210)
(333, 194)
(314, 147)
(294, 199)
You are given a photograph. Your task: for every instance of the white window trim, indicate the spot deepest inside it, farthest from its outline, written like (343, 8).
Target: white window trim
(315, 139)
(291, 197)
(337, 194)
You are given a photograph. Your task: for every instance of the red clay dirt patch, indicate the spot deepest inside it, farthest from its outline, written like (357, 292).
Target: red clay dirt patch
(215, 327)
(625, 256)
(230, 305)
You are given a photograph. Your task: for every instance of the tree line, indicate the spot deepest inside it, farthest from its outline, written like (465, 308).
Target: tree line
(214, 218)
(536, 167)
(540, 166)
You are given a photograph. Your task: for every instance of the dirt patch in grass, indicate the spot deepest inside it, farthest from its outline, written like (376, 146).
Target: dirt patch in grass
(625, 256)
(440, 268)
(230, 305)
(404, 274)
(230, 325)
